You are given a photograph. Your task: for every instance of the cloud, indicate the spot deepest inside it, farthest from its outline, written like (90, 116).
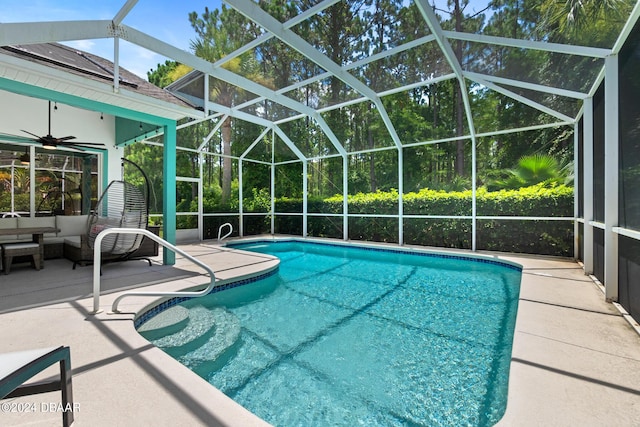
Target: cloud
(86, 45)
(139, 60)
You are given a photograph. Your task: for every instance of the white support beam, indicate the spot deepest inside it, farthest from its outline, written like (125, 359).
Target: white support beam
(215, 129)
(124, 11)
(59, 31)
(525, 85)
(422, 83)
(232, 112)
(255, 142)
(200, 196)
(587, 184)
(327, 131)
(525, 128)
(32, 178)
(596, 84)
(434, 25)
(349, 102)
(143, 40)
(345, 201)
(568, 49)
(255, 13)
(305, 197)
(524, 100)
(240, 199)
(265, 37)
(391, 51)
(356, 64)
(116, 65)
(272, 186)
(289, 143)
(576, 188)
(206, 98)
(611, 173)
(474, 194)
(626, 30)
(400, 196)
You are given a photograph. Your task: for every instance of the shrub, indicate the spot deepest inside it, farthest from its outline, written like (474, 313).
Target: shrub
(548, 237)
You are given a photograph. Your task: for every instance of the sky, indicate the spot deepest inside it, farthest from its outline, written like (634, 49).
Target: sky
(167, 20)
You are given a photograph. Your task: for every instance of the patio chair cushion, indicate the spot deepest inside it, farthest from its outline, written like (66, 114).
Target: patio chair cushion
(71, 225)
(11, 250)
(9, 222)
(20, 246)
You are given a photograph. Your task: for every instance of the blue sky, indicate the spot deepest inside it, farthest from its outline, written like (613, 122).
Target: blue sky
(166, 20)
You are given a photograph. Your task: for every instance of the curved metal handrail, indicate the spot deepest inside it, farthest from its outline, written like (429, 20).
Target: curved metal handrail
(96, 269)
(226, 235)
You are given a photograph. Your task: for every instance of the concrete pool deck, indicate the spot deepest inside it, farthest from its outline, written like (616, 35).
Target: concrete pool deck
(576, 360)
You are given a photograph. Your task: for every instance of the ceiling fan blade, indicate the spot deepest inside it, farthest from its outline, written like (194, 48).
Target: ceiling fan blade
(32, 134)
(50, 142)
(81, 147)
(90, 144)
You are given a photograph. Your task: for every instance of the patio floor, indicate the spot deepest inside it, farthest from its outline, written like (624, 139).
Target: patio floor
(576, 360)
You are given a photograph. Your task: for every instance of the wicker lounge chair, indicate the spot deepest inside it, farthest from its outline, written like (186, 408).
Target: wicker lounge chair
(122, 205)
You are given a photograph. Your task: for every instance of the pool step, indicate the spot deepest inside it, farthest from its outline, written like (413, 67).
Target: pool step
(200, 326)
(225, 335)
(168, 322)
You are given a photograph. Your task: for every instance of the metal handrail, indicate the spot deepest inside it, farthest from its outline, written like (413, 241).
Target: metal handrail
(226, 235)
(97, 254)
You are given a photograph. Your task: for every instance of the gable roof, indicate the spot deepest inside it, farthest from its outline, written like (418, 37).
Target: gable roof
(66, 59)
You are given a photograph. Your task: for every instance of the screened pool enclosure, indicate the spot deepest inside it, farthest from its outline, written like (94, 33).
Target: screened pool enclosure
(471, 125)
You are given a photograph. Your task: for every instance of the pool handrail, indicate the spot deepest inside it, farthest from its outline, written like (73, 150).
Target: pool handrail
(96, 269)
(226, 224)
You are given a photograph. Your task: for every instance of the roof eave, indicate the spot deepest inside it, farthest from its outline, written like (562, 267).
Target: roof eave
(30, 73)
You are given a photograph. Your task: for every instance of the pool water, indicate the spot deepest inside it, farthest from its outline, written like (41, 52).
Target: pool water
(342, 336)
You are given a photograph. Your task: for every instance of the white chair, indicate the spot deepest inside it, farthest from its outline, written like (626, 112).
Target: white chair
(19, 366)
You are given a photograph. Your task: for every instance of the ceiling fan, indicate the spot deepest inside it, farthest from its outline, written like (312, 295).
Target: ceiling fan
(50, 142)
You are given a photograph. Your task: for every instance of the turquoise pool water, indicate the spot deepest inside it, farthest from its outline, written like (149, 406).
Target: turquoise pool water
(342, 336)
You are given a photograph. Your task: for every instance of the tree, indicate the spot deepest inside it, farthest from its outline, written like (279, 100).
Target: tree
(530, 170)
(589, 22)
(167, 73)
(219, 33)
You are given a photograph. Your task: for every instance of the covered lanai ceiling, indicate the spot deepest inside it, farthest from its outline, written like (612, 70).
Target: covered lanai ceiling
(419, 53)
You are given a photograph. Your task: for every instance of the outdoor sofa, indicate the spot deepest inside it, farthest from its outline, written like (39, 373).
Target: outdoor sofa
(70, 229)
(71, 240)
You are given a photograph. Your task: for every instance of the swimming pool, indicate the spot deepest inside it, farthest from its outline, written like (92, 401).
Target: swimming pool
(342, 335)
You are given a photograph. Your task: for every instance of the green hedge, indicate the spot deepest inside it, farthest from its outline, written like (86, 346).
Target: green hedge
(540, 237)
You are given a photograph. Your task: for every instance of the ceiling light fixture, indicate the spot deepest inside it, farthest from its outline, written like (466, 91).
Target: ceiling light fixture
(25, 159)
